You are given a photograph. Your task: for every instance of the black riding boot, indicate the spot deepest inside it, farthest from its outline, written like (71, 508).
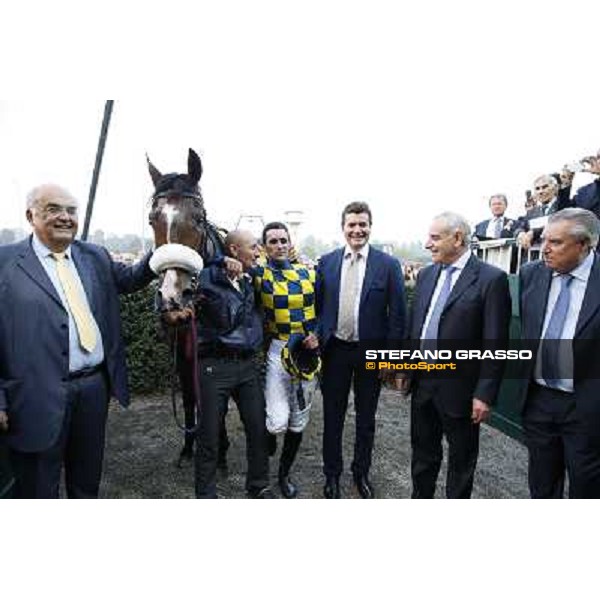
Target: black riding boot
(291, 443)
(271, 444)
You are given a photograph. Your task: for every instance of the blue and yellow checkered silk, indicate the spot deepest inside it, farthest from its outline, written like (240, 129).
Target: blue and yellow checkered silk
(287, 295)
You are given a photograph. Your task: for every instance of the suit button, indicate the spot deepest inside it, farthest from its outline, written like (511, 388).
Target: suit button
(64, 326)
(65, 353)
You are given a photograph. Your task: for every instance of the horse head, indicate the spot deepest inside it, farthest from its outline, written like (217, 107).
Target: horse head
(178, 219)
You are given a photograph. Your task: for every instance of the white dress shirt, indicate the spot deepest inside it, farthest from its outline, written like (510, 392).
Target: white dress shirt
(490, 232)
(459, 264)
(580, 274)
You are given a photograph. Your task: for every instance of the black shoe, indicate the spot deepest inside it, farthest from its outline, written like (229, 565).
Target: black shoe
(262, 494)
(364, 487)
(287, 487)
(331, 491)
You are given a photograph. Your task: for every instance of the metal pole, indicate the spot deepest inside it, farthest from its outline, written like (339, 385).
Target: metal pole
(99, 155)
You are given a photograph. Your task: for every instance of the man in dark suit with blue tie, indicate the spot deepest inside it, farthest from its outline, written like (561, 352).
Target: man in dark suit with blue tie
(460, 302)
(360, 298)
(61, 349)
(560, 318)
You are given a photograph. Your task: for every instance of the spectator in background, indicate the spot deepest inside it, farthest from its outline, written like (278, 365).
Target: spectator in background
(548, 201)
(499, 226)
(588, 196)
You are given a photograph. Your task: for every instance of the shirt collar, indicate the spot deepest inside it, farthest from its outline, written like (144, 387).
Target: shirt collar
(279, 264)
(364, 251)
(43, 251)
(581, 271)
(461, 261)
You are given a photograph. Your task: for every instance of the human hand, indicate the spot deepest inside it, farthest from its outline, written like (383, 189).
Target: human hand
(233, 267)
(480, 412)
(172, 318)
(293, 254)
(524, 239)
(311, 341)
(3, 421)
(592, 164)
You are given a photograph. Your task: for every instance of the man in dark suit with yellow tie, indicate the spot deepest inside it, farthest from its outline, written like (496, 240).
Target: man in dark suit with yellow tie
(560, 318)
(61, 348)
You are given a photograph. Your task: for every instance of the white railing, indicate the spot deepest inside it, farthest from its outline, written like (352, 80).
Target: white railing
(504, 254)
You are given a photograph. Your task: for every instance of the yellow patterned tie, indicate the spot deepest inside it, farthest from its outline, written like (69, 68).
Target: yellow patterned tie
(77, 305)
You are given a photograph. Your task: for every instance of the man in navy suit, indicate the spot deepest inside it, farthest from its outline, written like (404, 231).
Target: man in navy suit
(61, 349)
(560, 317)
(498, 226)
(460, 302)
(360, 298)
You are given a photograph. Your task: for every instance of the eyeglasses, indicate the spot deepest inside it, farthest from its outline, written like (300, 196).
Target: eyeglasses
(274, 241)
(538, 188)
(53, 210)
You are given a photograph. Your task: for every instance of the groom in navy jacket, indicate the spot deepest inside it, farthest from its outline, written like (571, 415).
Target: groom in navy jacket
(61, 349)
(360, 298)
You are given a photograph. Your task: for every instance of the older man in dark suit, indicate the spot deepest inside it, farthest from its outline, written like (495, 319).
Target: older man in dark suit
(61, 349)
(462, 303)
(360, 298)
(560, 317)
(549, 198)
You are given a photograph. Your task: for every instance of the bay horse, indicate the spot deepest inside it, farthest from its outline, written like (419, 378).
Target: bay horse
(184, 240)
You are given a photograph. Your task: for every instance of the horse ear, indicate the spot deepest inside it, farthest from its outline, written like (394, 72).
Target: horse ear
(154, 172)
(194, 166)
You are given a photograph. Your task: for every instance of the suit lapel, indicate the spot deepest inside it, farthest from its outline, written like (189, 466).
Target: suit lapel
(466, 278)
(541, 289)
(32, 266)
(369, 275)
(337, 273)
(591, 300)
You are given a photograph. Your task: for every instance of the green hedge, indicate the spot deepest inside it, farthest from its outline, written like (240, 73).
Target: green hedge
(148, 360)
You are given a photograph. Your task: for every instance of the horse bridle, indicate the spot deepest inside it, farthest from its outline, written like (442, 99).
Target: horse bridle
(190, 326)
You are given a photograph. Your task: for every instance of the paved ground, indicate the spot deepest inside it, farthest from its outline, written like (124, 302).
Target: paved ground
(143, 444)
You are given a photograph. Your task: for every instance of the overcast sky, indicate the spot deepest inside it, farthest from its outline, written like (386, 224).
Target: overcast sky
(414, 110)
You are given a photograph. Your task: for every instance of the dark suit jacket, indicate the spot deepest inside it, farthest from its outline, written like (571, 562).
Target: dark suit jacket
(587, 197)
(537, 211)
(478, 308)
(34, 336)
(535, 279)
(508, 229)
(382, 311)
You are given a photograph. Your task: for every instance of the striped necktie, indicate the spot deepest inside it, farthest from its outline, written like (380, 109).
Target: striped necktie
(77, 305)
